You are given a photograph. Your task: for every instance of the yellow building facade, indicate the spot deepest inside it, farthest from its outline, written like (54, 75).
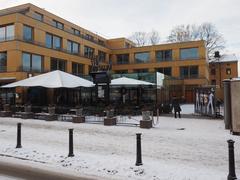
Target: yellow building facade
(33, 41)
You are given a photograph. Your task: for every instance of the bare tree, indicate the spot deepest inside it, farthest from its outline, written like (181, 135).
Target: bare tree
(214, 40)
(153, 37)
(139, 38)
(206, 31)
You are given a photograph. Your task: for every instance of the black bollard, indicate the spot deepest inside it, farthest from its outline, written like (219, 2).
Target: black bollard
(139, 150)
(70, 143)
(19, 135)
(231, 175)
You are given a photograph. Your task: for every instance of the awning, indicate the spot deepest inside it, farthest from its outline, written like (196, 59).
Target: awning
(124, 81)
(54, 79)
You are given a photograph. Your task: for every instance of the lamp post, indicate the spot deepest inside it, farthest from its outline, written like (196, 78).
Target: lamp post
(217, 57)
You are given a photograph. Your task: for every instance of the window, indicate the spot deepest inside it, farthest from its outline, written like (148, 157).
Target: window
(189, 53)
(38, 16)
(140, 70)
(73, 47)
(58, 24)
(101, 56)
(89, 37)
(76, 32)
(27, 33)
(189, 72)
(213, 71)
(32, 62)
(142, 57)
(88, 52)
(58, 64)
(228, 71)
(165, 55)
(77, 69)
(6, 32)
(53, 41)
(3, 61)
(165, 70)
(122, 58)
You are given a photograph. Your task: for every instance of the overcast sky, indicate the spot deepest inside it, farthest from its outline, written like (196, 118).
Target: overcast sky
(119, 18)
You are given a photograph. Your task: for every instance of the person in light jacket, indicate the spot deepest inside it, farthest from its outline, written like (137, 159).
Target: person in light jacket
(176, 107)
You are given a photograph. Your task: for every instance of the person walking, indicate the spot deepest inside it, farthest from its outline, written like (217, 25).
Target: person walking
(176, 107)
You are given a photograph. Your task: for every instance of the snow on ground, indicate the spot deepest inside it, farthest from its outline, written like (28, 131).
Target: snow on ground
(198, 152)
(187, 108)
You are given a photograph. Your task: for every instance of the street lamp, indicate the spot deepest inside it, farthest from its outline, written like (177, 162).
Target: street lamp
(217, 57)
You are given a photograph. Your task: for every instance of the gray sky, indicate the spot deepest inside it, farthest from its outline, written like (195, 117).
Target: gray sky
(119, 18)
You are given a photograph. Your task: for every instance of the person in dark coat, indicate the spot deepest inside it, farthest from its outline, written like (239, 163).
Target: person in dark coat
(176, 107)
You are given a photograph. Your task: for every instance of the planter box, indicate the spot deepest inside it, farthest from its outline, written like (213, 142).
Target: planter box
(5, 114)
(27, 115)
(27, 109)
(146, 124)
(51, 110)
(78, 119)
(51, 117)
(110, 121)
(6, 107)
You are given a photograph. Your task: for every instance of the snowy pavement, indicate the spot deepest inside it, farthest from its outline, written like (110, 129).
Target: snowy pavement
(198, 152)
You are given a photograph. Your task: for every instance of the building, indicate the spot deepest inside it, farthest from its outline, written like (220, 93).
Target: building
(33, 41)
(223, 67)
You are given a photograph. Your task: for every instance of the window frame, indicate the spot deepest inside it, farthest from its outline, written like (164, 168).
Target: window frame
(32, 33)
(163, 55)
(30, 68)
(188, 57)
(142, 62)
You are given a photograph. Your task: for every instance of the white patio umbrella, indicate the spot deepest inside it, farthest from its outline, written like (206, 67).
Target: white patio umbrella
(54, 79)
(124, 81)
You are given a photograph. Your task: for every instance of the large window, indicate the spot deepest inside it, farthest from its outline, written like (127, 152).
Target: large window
(6, 32)
(142, 57)
(3, 61)
(165, 70)
(189, 53)
(122, 58)
(58, 64)
(101, 56)
(88, 52)
(58, 24)
(189, 72)
(32, 62)
(53, 41)
(73, 47)
(165, 55)
(27, 33)
(77, 69)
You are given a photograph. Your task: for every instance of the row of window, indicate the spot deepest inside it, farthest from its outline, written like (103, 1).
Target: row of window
(228, 71)
(162, 55)
(55, 42)
(185, 71)
(34, 62)
(59, 25)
